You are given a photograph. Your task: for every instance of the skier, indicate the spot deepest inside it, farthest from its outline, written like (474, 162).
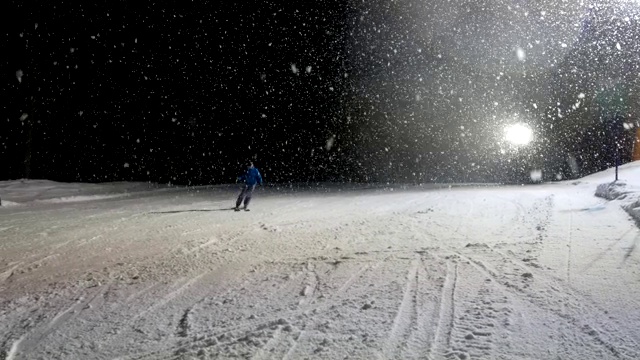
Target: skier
(250, 179)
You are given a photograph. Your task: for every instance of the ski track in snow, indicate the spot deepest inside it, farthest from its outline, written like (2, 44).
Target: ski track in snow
(444, 325)
(572, 307)
(405, 316)
(569, 246)
(461, 273)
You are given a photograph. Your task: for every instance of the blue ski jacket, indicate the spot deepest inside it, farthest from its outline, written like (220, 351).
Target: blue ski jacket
(251, 177)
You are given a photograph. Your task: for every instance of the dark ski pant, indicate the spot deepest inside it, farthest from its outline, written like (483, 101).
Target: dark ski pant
(245, 195)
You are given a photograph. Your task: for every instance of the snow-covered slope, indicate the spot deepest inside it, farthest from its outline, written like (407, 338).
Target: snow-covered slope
(131, 272)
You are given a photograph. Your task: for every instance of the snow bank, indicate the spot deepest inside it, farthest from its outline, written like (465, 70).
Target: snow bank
(616, 190)
(66, 199)
(626, 190)
(20, 192)
(9, 203)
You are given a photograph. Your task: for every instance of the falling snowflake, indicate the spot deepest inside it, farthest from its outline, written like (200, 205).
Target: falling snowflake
(330, 142)
(294, 68)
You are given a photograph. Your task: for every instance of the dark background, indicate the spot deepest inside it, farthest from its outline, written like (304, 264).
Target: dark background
(403, 91)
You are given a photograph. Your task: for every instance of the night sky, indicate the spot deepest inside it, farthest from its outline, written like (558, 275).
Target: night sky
(385, 91)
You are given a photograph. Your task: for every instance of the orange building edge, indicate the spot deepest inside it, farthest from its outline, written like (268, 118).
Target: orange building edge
(636, 146)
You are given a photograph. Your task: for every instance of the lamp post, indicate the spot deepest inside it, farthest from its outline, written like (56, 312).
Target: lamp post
(617, 129)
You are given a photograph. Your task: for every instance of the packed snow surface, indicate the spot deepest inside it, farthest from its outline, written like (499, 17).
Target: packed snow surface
(133, 271)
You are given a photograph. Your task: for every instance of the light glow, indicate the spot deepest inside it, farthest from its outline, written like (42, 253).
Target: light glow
(518, 134)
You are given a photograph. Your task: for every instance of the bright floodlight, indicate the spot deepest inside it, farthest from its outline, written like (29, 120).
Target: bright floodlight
(518, 134)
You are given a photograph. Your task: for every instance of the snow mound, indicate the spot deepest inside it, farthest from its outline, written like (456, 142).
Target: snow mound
(633, 209)
(9, 203)
(80, 198)
(17, 192)
(626, 191)
(612, 191)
